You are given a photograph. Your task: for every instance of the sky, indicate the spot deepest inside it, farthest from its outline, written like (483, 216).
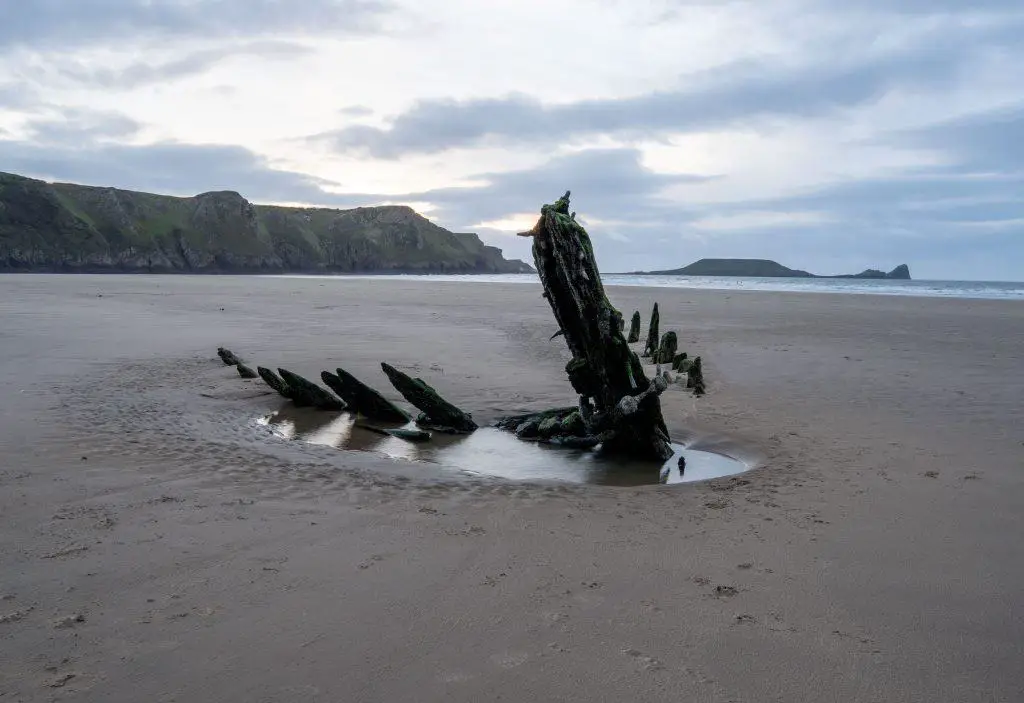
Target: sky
(829, 135)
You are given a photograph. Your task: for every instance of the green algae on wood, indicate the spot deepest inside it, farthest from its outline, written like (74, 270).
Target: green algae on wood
(363, 399)
(550, 427)
(274, 381)
(572, 424)
(512, 421)
(562, 426)
(436, 412)
(307, 393)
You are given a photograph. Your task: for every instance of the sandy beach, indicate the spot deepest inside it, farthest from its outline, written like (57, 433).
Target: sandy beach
(158, 545)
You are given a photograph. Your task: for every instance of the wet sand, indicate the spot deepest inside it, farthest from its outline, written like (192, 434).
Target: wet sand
(873, 554)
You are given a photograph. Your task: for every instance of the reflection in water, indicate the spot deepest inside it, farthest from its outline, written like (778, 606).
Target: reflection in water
(493, 452)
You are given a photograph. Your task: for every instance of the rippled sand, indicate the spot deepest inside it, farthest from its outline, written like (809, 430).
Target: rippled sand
(872, 555)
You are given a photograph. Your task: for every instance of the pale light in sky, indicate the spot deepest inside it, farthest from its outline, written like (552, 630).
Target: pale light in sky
(821, 133)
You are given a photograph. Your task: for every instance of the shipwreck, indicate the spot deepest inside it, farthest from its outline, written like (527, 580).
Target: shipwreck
(619, 406)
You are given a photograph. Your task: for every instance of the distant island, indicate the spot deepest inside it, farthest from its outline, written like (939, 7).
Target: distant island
(764, 268)
(62, 227)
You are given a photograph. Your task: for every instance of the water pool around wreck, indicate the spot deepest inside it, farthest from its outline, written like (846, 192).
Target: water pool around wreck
(493, 452)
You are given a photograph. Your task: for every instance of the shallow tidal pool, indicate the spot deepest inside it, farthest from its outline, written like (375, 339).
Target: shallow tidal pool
(493, 452)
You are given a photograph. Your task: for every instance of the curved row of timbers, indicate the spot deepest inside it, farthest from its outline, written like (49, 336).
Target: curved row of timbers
(559, 426)
(619, 407)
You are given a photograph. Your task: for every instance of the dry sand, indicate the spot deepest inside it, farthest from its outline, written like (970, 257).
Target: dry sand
(874, 555)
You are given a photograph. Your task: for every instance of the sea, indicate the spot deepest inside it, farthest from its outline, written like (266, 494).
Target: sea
(990, 290)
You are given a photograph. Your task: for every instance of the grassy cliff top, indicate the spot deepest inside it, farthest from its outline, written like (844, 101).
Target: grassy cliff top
(65, 226)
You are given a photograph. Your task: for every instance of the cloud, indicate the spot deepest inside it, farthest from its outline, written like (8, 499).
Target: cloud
(932, 7)
(760, 219)
(77, 126)
(143, 73)
(983, 176)
(356, 111)
(168, 167)
(611, 184)
(989, 142)
(67, 23)
(618, 198)
(963, 219)
(910, 195)
(915, 216)
(743, 93)
(17, 96)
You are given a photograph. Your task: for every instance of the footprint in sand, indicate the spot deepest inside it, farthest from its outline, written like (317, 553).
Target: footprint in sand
(371, 561)
(66, 552)
(15, 616)
(726, 591)
(68, 621)
(646, 662)
(61, 680)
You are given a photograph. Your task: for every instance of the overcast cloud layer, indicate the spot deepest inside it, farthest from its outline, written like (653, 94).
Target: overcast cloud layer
(828, 135)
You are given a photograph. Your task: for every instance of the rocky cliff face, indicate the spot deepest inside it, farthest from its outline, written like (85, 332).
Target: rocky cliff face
(66, 227)
(901, 272)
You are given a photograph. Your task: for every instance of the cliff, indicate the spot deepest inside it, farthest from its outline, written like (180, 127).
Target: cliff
(901, 272)
(67, 227)
(763, 268)
(736, 267)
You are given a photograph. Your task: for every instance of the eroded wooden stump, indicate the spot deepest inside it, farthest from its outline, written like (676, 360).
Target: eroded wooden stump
(651, 345)
(228, 357)
(306, 393)
(634, 328)
(667, 348)
(619, 405)
(436, 412)
(245, 372)
(274, 381)
(678, 362)
(362, 399)
(695, 377)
